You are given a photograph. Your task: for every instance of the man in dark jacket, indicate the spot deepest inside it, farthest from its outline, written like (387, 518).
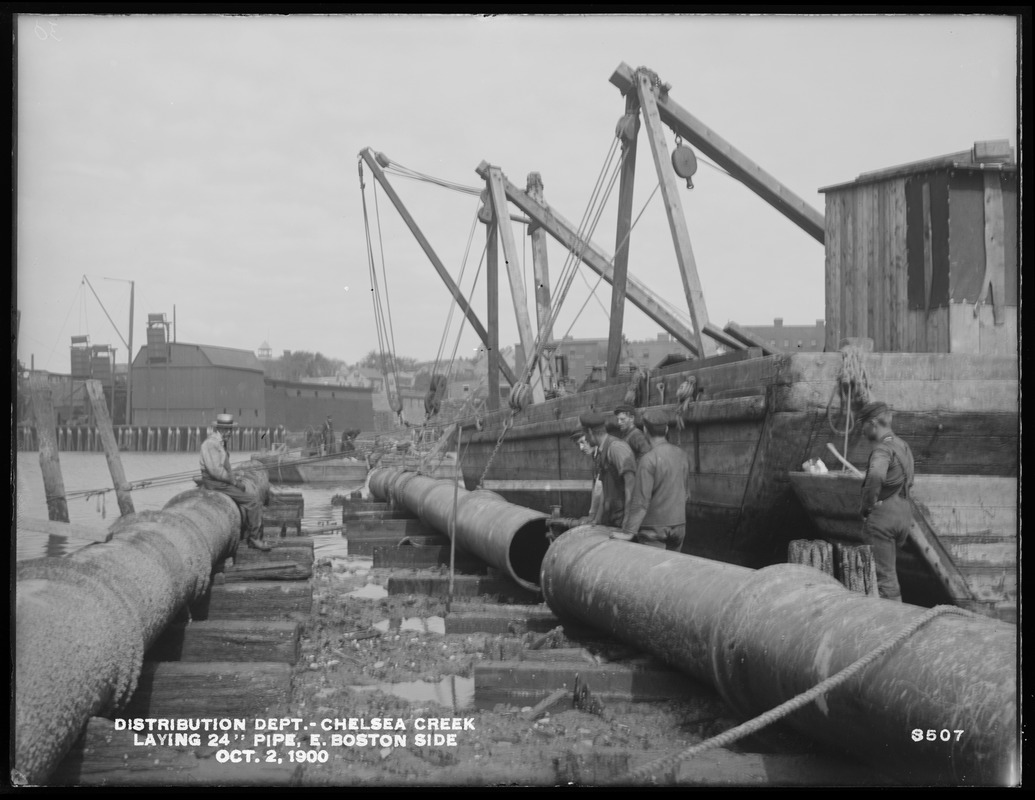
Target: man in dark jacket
(616, 467)
(885, 505)
(657, 515)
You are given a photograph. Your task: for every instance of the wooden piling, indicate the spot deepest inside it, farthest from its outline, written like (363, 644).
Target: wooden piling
(812, 553)
(856, 569)
(111, 448)
(50, 463)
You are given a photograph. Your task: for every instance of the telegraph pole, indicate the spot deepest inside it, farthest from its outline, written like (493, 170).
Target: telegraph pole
(129, 360)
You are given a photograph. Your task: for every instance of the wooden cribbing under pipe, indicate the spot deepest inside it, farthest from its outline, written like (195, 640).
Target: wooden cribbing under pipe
(84, 621)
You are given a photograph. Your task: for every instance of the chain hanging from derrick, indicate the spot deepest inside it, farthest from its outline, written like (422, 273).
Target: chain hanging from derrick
(507, 423)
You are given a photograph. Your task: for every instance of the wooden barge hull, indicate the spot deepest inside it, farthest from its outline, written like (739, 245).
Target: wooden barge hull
(756, 421)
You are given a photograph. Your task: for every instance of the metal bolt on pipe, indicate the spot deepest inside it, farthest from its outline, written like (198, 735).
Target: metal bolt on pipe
(939, 708)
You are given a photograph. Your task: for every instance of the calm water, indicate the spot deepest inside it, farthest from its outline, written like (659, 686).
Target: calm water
(89, 472)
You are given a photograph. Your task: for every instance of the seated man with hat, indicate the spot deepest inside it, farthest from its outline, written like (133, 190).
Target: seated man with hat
(632, 435)
(885, 507)
(616, 467)
(217, 475)
(657, 515)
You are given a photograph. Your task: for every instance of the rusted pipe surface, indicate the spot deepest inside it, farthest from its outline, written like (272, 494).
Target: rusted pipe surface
(763, 637)
(83, 622)
(506, 536)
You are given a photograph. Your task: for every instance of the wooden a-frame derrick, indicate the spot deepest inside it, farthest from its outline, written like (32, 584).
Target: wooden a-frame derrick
(490, 337)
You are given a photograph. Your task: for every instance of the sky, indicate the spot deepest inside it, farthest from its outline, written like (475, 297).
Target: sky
(212, 161)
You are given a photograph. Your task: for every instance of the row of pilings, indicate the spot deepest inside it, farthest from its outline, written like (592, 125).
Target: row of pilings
(154, 439)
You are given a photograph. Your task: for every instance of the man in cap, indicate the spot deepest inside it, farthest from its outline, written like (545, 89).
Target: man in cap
(617, 468)
(217, 475)
(632, 435)
(885, 507)
(579, 437)
(657, 514)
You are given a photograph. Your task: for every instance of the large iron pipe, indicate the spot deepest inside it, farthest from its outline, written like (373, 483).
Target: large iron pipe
(764, 637)
(509, 537)
(84, 621)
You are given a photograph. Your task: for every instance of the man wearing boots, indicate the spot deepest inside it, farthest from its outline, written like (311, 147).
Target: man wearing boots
(217, 475)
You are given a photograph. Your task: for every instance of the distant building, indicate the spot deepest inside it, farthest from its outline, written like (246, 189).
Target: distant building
(175, 383)
(790, 338)
(366, 377)
(297, 405)
(577, 358)
(265, 352)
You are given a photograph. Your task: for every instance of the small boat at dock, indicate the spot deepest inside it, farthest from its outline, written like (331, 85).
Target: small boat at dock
(296, 467)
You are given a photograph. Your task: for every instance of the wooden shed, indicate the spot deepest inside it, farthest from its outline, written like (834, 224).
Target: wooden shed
(922, 257)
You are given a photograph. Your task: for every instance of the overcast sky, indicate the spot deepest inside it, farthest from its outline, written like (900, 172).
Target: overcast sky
(213, 161)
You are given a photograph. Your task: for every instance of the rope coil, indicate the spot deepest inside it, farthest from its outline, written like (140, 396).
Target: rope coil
(852, 381)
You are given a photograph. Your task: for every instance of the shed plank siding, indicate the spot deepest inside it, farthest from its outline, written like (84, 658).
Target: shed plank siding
(832, 244)
(903, 334)
(966, 236)
(901, 249)
(1010, 249)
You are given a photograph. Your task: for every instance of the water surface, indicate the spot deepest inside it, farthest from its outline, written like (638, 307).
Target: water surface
(165, 475)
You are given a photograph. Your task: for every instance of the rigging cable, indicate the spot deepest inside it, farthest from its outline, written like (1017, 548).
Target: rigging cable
(380, 323)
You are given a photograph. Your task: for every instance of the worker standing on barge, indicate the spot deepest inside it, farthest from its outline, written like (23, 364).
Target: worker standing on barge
(657, 515)
(218, 475)
(616, 466)
(886, 508)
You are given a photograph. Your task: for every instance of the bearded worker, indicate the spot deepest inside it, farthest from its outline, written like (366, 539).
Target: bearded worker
(218, 475)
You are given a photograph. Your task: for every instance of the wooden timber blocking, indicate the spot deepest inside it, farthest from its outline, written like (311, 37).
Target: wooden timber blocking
(597, 766)
(103, 756)
(504, 619)
(384, 529)
(352, 506)
(524, 681)
(425, 557)
(366, 547)
(437, 585)
(210, 689)
(284, 510)
(228, 640)
(268, 570)
(255, 600)
(348, 515)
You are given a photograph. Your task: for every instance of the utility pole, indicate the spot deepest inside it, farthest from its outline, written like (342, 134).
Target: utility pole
(129, 345)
